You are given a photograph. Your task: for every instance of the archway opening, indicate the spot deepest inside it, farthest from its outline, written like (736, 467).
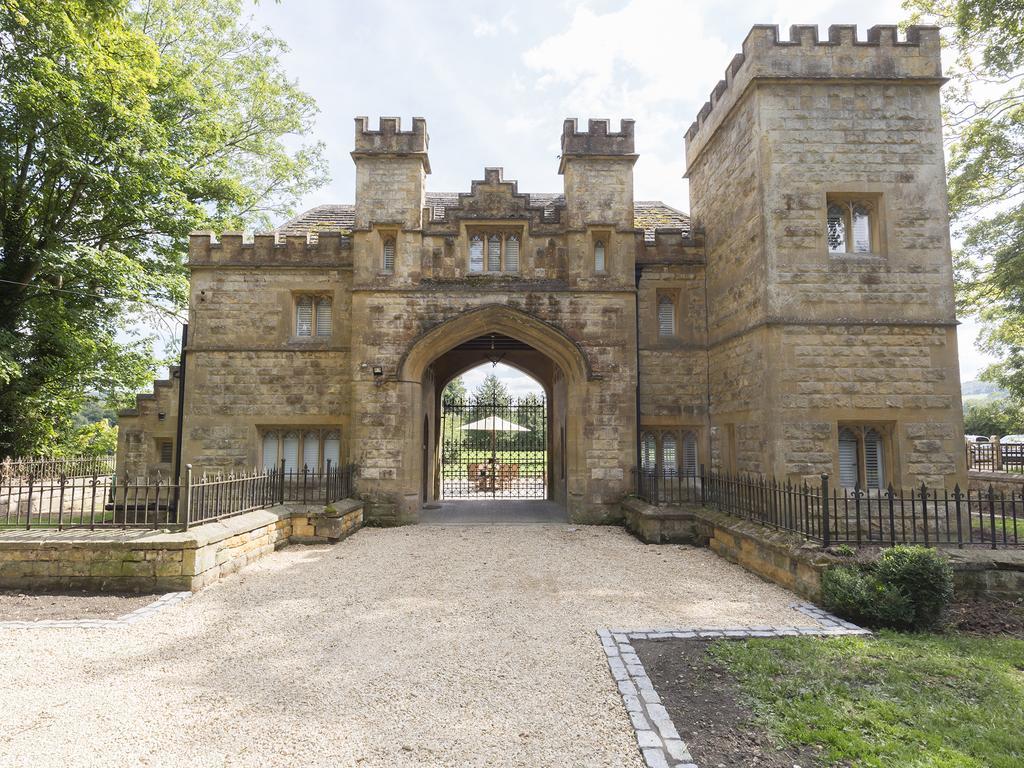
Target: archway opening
(497, 410)
(494, 433)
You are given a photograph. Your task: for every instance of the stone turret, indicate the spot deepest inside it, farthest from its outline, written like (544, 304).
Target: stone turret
(842, 56)
(391, 169)
(597, 166)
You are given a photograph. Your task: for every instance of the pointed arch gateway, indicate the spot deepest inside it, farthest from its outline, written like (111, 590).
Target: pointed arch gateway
(540, 349)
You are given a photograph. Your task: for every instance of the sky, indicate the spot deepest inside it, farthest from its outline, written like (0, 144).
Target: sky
(494, 80)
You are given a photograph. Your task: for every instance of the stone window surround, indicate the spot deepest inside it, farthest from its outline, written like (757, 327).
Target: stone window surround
(485, 231)
(316, 297)
(387, 234)
(875, 202)
(886, 429)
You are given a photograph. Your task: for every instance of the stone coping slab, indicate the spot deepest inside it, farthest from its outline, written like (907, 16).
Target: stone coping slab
(197, 536)
(164, 601)
(657, 736)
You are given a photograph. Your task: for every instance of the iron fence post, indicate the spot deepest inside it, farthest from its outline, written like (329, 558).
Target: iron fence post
(957, 494)
(826, 532)
(924, 513)
(992, 513)
(185, 512)
(281, 481)
(703, 497)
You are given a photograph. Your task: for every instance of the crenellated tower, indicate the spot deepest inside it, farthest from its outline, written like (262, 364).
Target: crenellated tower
(817, 173)
(597, 166)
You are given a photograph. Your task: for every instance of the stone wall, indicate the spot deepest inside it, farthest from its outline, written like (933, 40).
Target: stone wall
(154, 561)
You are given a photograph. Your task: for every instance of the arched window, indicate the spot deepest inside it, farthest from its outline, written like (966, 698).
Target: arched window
(270, 450)
(304, 316)
(599, 256)
(669, 456)
(323, 316)
(874, 460)
(648, 452)
(290, 451)
(836, 229)
(666, 317)
(849, 458)
(494, 253)
(690, 454)
(476, 254)
(311, 451)
(850, 225)
(389, 254)
(860, 227)
(332, 449)
(512, 253)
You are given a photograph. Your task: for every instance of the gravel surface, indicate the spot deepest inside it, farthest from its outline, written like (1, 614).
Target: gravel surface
(17, 606)
(419, 646)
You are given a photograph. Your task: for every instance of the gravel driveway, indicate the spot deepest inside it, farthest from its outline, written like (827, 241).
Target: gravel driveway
(425, 646)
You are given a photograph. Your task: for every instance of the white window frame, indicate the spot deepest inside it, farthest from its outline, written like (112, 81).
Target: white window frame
(316, 308)
(325, 442)
(856, 437)
(600, 256)
(387, 259)
(847, 205)
(482, 263)
(664, 300)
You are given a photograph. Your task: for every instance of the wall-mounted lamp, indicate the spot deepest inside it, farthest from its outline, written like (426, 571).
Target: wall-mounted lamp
(378, 371)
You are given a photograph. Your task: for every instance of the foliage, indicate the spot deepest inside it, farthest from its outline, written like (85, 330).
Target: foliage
(1001, 416)
(492, 390)
(907, 587)
(123, 127)
(98, 438)
(984, 116)
(454, 392)
(861, 597)
(891, 700)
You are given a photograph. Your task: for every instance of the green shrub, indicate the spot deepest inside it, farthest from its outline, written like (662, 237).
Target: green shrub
(857, 595)
(906, 588)
(923, 575)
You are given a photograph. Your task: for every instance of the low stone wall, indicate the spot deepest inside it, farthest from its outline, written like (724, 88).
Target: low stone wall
(156, 561)
(659, 525)
(791, 562)
(1001, 482)
(777, 556)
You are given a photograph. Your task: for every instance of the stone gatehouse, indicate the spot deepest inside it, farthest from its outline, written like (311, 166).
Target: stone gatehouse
(799, 321)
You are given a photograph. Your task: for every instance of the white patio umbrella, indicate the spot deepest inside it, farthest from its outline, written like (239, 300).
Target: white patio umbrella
(494, 424)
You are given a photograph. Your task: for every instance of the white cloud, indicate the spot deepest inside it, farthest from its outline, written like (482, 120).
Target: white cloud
(487, 28)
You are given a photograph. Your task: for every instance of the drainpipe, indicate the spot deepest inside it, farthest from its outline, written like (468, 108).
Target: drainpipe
(179, 428)
(637, 270)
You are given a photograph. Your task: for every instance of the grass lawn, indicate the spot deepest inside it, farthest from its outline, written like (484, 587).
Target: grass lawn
(954, 701)
(531, 463)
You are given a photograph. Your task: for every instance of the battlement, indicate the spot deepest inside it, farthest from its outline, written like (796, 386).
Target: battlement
(882, 56)
(312, 248)
(597, 139)
(390, 139)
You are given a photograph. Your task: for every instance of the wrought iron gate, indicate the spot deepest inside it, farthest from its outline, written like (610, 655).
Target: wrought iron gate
(494, 450)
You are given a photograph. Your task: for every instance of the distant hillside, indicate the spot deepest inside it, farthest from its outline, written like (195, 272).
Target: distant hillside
(981, 389)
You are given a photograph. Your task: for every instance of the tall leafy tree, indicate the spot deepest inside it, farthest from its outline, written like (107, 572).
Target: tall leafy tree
(123, 126)
(454, 392)
(984, 116)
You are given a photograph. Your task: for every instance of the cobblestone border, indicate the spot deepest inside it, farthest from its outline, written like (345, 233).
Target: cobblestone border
(164, 601)
(656, 735)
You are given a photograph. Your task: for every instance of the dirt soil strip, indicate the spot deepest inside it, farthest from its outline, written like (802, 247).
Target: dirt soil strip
(705, 701)
(657, 722)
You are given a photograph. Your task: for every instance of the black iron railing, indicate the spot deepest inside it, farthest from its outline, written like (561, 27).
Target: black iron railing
(53, 468)
(106, 501)
(855, 516)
